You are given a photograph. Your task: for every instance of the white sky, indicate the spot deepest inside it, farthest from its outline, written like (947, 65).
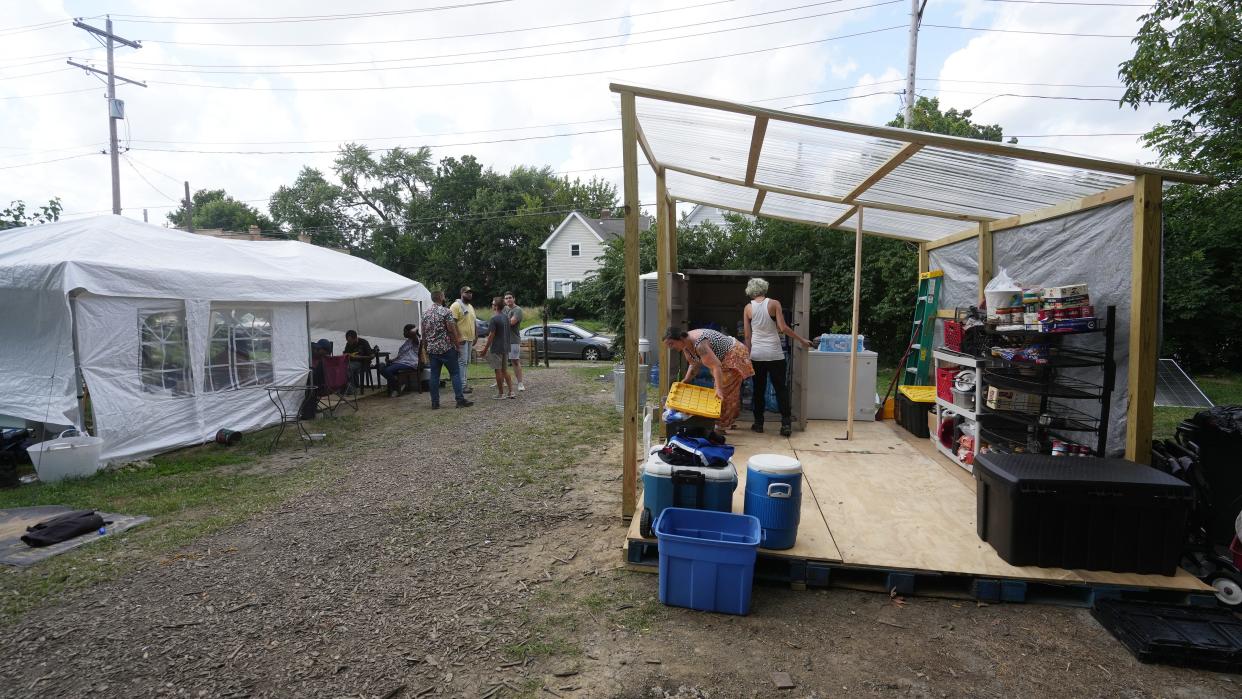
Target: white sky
(281, 110)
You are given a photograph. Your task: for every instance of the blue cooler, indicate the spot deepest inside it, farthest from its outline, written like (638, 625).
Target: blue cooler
(693, 487)
(774, 497)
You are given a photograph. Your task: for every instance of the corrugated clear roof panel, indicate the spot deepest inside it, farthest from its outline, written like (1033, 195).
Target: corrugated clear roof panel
(819, 161)
(810, 210)
(906, 225)
(985, 185)
(701, 190)
(696, 138)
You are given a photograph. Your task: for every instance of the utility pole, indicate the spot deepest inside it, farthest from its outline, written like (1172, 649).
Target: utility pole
(116, 108)
(916, 18)
(189, 209)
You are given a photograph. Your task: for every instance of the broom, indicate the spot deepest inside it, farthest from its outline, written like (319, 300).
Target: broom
(901, 367)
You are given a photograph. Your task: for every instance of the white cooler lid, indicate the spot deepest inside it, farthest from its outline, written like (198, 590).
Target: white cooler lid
(656, 467)
(775, 464)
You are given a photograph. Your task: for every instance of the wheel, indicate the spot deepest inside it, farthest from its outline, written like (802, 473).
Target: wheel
(591, 354)
(1228, 588)
(644, 524)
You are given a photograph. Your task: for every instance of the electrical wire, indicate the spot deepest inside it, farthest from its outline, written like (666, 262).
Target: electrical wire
(236, 69)
(1028, 31)
(375, 150)
(45, 162)
(152, 169)
(49, 94)
(451, 36)
(144, 178)
(55, 56)
(294, 19)
(250, 88)
(840, 99)
(1071, 2)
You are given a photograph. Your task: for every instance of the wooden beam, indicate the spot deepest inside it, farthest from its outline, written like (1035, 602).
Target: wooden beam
(899, 208)
(957, 237)
(1144, 316)
(817, 224)
(985, 258)
(629, 451)
(756, 146)
(1104, 198)
(759, 201)
(664, 279)
(672, 235)
(844, 217)
(647, 152)
(891, 164)
(923, 262)
(967, 145)
(858, 238)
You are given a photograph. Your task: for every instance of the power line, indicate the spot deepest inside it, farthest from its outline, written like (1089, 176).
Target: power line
(49, 94)
(452, 36)
(45, 162)
(376, 150)
(56, 55)
(234, 69)
(248, 88)
(144, 179)
(292, 19)
(410, 137)
(1029, 31)
(1070, 135)
(1071, 2)
(841, 99)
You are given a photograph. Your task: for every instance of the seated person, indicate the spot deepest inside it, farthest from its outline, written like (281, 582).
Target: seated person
(406, 360)
(359, 352)
(319, 348)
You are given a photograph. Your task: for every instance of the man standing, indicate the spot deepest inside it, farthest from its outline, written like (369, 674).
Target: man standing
(440, 339)
(463, 315)
(497, 348)
(406, 360)
(514, 313)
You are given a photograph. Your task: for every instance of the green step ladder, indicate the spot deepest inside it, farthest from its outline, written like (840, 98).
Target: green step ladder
(917, 371)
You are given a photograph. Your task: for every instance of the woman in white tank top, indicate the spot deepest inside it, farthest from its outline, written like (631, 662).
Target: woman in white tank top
(765, 323)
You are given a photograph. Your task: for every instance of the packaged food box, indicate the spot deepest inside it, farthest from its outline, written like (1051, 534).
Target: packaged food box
(1012, 401)
(1068, 302)
(1061, 292)
(1049, 314)
(1070, 325)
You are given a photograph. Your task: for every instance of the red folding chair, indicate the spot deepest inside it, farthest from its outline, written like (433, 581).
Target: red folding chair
(334, 390)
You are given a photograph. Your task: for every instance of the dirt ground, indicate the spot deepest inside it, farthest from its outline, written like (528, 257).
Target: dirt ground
(477, 553)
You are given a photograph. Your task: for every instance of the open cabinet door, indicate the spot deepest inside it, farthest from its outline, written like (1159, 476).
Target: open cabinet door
(802, 324)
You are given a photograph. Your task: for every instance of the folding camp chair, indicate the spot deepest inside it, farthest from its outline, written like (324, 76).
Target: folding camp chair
(335, 388)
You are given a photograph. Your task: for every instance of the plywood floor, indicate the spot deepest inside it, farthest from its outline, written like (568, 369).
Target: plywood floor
(888, 500)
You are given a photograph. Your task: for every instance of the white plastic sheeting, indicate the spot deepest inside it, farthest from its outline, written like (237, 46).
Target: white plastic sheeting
(118, 271)
(1091, 247)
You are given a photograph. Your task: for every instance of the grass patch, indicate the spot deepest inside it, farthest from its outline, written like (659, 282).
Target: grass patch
(1222, 389)
(188, 493)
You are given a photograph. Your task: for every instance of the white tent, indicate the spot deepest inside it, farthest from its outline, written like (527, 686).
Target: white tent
(175, 334)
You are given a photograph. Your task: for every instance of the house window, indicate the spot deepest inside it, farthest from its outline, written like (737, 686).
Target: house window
(163, 364)
(558, 289)
(239, 348)
(575, 250)
(569, 288)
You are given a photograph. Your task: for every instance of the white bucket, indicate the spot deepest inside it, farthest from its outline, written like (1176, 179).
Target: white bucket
(65, 457)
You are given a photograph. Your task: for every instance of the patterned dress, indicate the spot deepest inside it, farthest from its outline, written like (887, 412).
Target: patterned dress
(735, 368)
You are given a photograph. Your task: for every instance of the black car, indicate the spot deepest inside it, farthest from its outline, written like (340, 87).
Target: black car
(571, 341)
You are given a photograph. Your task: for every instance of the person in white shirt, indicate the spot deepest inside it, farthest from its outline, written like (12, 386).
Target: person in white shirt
(765, 323)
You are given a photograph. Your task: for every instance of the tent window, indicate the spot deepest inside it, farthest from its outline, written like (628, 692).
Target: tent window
(239, 349)
(163, 365)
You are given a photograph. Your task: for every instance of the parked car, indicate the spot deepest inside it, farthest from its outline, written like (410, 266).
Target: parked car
(571, 341)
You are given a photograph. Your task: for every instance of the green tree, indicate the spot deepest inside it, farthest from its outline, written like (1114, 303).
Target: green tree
(214, 208)
(316, 207)
(16, 216)
(1188, 53)
(928, 117)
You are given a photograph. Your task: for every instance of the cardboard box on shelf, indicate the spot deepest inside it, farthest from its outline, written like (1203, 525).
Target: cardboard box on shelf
(1012, 401)
(1060, 292)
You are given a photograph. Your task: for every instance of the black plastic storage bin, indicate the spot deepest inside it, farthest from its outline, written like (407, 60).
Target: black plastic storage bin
(1081, 512)
(1216, 435)
(912, 415)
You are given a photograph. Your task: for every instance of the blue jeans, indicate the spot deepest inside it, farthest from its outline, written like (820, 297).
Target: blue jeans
(391, 370)
(448, 359)
(463, 357)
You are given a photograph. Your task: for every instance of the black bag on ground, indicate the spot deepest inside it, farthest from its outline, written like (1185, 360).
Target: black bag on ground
(62, 528)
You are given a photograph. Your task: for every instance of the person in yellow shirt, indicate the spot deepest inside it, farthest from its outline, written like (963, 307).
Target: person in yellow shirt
(463, 314)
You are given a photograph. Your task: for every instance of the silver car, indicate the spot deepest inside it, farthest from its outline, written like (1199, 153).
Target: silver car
(569, 341)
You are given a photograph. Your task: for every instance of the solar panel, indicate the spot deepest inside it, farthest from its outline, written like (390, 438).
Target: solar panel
(1174, 389)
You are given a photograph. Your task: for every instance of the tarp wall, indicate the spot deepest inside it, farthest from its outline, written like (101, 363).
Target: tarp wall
(1091, 247)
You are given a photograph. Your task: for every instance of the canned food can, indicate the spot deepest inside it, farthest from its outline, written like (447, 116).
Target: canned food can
(228, 437)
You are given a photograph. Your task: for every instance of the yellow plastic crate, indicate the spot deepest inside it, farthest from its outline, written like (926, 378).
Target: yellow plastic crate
(694, 400)
(919, 394)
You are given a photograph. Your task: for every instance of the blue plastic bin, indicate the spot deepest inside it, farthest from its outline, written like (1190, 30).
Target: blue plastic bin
(707, 559)
(774, 497)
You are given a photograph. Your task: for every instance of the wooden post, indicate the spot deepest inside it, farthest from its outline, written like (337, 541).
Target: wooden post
(923, 261)
(629, 158)
(858, 238)
(1144, 316)
(664, 282)
(672, 236)
(985, 257)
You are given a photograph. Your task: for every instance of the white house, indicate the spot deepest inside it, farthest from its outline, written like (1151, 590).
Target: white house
(707, 214)
(573, 246)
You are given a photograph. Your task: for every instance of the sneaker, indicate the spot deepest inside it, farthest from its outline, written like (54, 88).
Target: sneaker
(465, 403)
(493, 385)
(786, 430)
(757, 427)
(521, 386)
(499, 397)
